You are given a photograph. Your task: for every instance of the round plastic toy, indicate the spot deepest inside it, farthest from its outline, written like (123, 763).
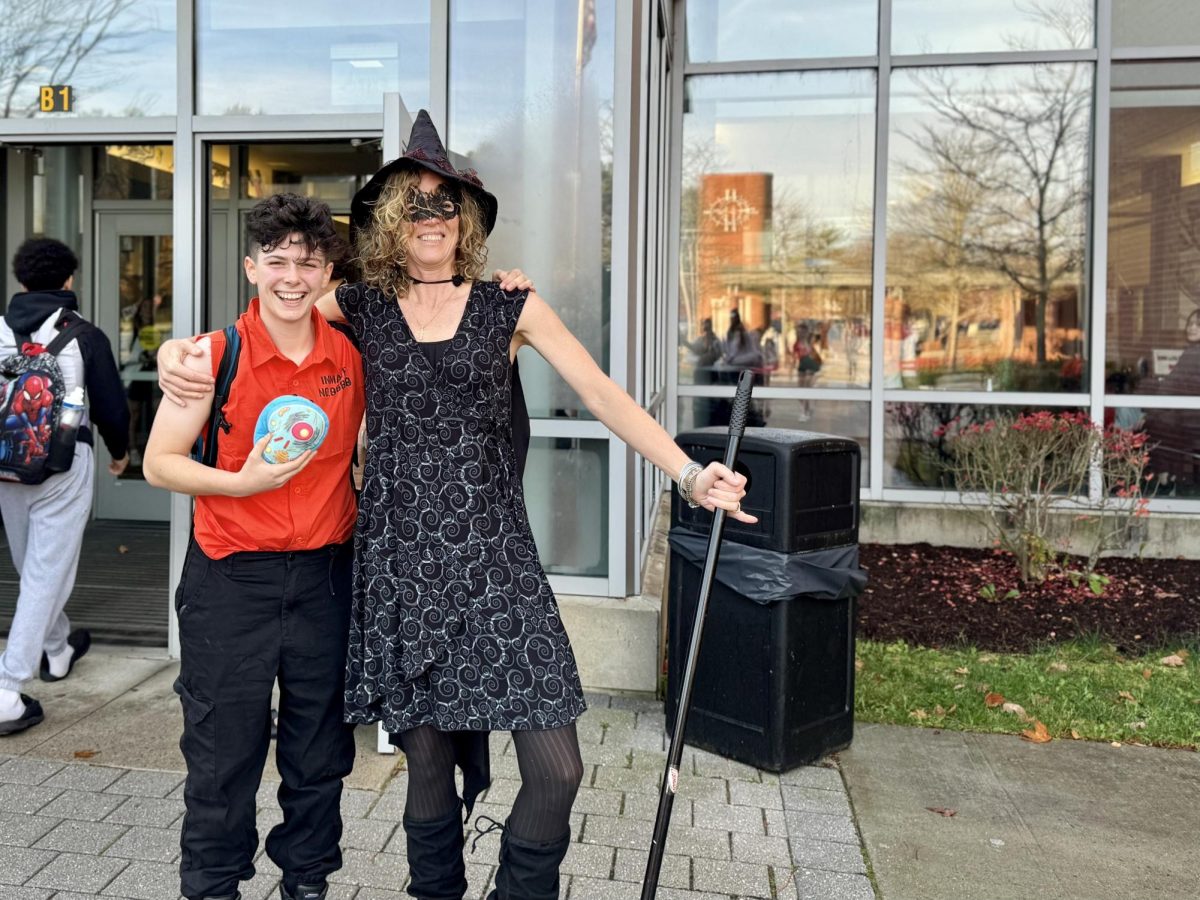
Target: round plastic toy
(295, 425)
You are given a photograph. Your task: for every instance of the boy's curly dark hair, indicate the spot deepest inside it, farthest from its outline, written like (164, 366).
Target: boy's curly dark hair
(271, 222)
(44, 264)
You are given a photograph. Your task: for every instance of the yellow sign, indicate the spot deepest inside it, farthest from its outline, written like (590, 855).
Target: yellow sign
(56, 98)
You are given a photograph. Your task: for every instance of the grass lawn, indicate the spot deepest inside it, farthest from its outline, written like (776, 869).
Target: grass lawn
(1079, 690)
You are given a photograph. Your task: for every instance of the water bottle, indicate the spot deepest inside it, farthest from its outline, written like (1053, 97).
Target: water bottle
(62, 445)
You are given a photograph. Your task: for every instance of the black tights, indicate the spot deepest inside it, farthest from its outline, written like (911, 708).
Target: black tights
(551, 770)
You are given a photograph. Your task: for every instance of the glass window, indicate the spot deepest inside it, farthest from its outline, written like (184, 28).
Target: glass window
(1173, 438)
(142, 172)
(1153, 332)
(332, 172)
(917, 439)
(775, 247)
(969, 26)
(840, 417)
(315, 57)
(724, 30)
(116, 56)
(572, 537)
(1149, 23)
(986, 228)
(541, 139)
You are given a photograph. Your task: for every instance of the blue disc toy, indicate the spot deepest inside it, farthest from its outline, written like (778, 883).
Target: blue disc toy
(295, 425)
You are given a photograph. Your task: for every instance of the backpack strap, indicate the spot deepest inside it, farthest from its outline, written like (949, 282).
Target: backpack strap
(226, 372)
(69, 327)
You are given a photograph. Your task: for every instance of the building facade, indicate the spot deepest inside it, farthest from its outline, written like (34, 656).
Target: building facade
(898, 213)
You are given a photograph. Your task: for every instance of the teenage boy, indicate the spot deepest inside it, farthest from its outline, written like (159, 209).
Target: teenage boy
(44, 522)
(265, 591)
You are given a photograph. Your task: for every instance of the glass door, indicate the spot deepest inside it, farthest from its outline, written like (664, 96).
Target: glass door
(134, 304)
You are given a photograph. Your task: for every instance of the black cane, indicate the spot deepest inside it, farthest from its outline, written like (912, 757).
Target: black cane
(666, 798)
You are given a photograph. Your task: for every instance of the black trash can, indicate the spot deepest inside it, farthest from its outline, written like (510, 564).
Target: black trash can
(774, 684)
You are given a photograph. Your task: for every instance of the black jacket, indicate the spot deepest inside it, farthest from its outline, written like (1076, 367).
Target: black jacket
(107, 406)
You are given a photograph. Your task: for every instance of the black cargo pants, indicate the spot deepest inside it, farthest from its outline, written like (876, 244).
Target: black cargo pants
(244, 621)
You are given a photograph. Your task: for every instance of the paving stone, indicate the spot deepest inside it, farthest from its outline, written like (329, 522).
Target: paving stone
(367, 834)
(142, 880)
(139, 783)
(83, 778)
(590, 860)
(643, 805)
(17, 864)
(76, 872)
(81, 837)
(605, 754)
(368, 893)
(596, 702)
(267, 795)
(762, 849)
(18, 830)
(638, 703)
(722, 816)
(356, 802)
(379, 870)
(676, 871)
(24, 770)
(832, 803)
(597, 889)
(646, 739)
(479, 881)
(743, 879)
(829, 855)
(819, 827)
(150, 844)
(652, 720)
(652, 760)
(589, 730)
(83, 805)
(155, 812)
(709, 765)
(261, 887)
(687, 841)
(814, 777)
(29, 893)
(26, 799)
(748, 793)
(776, 822)
(665, 893)
(614, 719)
(503, 791)
(613, 832)
(597, 800)
(812, 884)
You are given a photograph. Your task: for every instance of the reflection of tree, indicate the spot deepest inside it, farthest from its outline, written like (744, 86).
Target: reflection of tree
(699, 158)
(45, 41)
(1008, 161)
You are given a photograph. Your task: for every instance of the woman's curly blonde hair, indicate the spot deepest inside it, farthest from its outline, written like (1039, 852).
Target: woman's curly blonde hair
(381, 249)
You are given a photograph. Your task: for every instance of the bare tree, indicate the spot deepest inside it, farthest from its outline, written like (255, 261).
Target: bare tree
(45, 41)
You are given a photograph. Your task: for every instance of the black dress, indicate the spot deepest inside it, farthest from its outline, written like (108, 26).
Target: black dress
(453, 624)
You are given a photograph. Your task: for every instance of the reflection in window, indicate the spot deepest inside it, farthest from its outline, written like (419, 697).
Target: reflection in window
(1154, 230)
(970, 26)
(1173, 438)
(775, 247)
(118, 57)
(541, 139)
(843, 418)
(142, 172)
(571, 537)
(726, 30)
(987, 212)
(318, 58)
(1149, 23)
(917, 439)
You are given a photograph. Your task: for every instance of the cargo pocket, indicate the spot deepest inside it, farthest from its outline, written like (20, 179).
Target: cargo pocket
(198, 743)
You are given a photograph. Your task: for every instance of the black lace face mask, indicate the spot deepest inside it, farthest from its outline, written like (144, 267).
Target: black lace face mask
(444, 203)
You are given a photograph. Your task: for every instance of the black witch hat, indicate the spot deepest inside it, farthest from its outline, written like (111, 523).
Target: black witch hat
(426, 151)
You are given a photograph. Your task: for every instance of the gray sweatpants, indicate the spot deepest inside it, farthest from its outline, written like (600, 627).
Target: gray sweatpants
(44, 523)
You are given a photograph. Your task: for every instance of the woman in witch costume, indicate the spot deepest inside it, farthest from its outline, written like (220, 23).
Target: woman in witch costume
(455, 632)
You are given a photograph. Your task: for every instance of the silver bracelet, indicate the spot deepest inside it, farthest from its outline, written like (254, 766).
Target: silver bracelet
(687, 482)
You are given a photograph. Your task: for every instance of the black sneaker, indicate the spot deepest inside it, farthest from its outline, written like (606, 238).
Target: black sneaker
(79, 640)
(32, 716)
(305, 892)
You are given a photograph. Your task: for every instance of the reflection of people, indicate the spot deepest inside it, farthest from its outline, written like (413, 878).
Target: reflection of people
(455, 631)
(143, 402)
(742, 347)
(1174, 435)
(44, 522)
(706, 350)
(808, 363)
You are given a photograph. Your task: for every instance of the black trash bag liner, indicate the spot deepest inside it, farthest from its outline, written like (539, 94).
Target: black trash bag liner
(768, 576)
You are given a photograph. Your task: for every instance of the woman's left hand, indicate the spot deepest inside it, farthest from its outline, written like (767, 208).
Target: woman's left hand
(718, 487)
(512, 280)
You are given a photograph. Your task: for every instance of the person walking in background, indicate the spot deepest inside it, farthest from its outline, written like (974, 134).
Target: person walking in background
(45, 522)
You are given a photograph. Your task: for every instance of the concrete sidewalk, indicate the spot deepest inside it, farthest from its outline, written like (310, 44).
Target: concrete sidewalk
(1071, 820)
(90, 806)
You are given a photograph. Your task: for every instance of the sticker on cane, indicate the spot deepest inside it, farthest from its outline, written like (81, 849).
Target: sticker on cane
(673, 779)
(294, 423)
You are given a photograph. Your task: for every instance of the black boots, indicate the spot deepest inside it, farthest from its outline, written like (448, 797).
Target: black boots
(304, 892)
(435, 858)
(529, 869)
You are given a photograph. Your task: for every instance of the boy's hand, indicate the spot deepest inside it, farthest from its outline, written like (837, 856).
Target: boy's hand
(258, 475)
(117, 466)
(512, 280)
(178, 381)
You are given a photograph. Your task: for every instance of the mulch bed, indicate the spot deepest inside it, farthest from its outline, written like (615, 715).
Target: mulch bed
(930, 596)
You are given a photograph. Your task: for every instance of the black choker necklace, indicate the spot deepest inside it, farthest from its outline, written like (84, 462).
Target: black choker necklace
(456, 280)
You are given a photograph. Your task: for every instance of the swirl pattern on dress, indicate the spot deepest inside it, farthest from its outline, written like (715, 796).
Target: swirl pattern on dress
(454, 624)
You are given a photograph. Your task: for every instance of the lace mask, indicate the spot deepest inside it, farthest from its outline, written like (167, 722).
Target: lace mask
(443, 203)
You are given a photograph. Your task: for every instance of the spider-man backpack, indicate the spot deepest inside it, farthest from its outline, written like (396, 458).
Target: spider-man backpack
(32, 389)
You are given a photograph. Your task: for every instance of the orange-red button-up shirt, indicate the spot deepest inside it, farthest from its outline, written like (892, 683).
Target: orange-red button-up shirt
(317, 507)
